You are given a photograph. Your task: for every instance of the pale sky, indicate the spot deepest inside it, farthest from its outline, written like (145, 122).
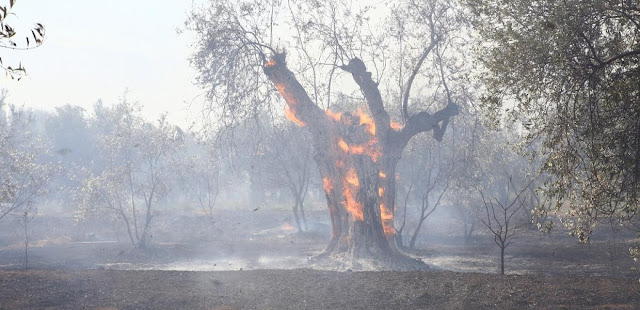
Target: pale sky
(96, 49)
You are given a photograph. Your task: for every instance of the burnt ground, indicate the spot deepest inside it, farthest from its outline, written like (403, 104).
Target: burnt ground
(256, 260)
(308, 289)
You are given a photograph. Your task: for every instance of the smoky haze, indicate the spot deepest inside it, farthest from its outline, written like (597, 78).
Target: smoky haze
(109, 189)
(328, 135)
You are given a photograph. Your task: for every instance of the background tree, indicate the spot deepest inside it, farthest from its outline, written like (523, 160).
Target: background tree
(23, 178)
(500, 218)
(572, 70)
(138, 168)
(68, 133)
(429, 170)
(288, 162)
(203, 178)
(240, 57)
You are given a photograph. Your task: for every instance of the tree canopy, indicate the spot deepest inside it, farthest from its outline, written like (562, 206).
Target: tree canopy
(33, 39)
(569, 71)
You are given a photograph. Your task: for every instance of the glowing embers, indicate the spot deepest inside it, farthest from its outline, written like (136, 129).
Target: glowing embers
(351, 185)
(396, 126)
(270, 63)
(288, 227)
(327, 185)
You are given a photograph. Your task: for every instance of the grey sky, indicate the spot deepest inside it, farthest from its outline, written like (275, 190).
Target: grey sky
(97, 49)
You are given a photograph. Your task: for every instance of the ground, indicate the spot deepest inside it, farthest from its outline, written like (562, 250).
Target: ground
(308, 289)
(256, 260)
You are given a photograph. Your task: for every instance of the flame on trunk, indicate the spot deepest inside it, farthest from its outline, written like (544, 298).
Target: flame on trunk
(371, 149)
(327, 185)
(382, 175)
(292, 103)
(290, 114)
(387, 220)
(351, 184)
(385, 215)
(270, 63)
(352, 178)
(333, 115)
(366, 120)
(396, 126)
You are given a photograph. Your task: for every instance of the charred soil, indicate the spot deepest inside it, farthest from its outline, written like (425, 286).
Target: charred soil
(260, 262)
(309, 289)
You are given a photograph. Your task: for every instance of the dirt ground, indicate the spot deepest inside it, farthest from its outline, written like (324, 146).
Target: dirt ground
(259, 261)
(308, 289)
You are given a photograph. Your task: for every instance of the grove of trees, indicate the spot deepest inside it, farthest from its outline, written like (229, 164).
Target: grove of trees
(393, 111)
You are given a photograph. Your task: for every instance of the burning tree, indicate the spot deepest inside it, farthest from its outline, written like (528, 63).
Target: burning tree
(356, 151)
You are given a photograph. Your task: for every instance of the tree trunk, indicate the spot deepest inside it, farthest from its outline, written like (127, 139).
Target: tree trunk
(304, 217)
(414, 237)
(502, 260)
(295, 214)
(468, 232)
(26, 241)
(357, 156)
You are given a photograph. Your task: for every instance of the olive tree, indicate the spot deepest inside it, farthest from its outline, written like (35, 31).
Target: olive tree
(314, 54)
(569, 72)
(288, 163)
(23, 177)
(139, 168)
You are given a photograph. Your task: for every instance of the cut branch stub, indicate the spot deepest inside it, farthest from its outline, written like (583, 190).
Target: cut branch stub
(371, 93)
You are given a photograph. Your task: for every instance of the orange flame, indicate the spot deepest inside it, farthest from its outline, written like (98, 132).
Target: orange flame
(365, 119)
(327, 185)
(396, 126)
(334, 115)
(270, 63)
(343, 145)
(382, 175)
(385, 215)
(352, 178)
(288, 227)
(292, 104)
(290, 114)
(351, 204)
(370, 149)
(387, 220)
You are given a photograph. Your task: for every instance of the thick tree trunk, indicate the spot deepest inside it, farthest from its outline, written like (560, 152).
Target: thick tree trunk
(357, 157)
